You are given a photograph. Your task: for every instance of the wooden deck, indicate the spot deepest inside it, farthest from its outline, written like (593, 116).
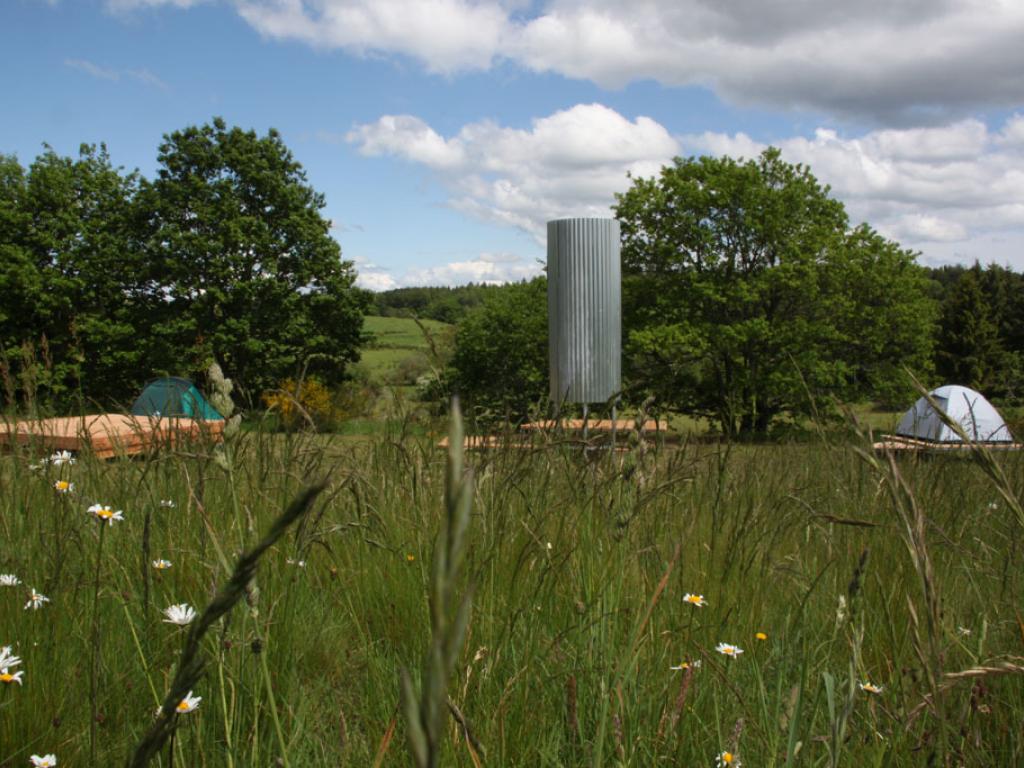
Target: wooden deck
(597, 425)
(900, 444)
(108, 434)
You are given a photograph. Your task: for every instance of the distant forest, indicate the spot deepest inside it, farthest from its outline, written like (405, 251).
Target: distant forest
(979, 336)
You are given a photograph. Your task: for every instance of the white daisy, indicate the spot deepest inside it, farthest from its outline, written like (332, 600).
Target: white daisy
(728, 649)
(167, 503)
(299, 563)
(105, 514)
(179, 614)
(686, 665)
(63, 486)
(9, 580)
(36, 600)
(188, 704)
(62, 457)
(697, 600)
(871, 688)
(8, 659)
(10, 677)
(727, 760)
(161, 565)
(46, 761)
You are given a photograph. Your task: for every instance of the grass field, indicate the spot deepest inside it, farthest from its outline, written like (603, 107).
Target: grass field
(394, 340)
(581, 649)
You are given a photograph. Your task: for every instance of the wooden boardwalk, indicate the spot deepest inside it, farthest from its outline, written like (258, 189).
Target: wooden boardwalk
(108, 434)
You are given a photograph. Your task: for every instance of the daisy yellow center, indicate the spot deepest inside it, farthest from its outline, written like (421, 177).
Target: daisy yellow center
(761, 636)
(6, 677)
(727, 758)
(695, 599)
(183, 706)
(728, 650)
(106, 513)
(63, 485)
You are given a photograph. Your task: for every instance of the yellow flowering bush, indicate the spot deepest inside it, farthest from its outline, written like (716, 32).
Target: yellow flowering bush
(289, 400)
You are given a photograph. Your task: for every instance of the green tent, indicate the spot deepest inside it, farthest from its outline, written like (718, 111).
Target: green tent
(173, 396)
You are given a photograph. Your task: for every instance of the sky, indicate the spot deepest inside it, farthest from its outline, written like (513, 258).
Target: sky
(445, 133)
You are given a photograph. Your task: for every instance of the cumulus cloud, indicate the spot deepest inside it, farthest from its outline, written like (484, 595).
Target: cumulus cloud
(943, 189)
(895, 61)
(489, 268)
(952, 183)
(569, 163)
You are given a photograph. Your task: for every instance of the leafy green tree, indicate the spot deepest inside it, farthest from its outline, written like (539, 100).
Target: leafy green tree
(500, 361)
(745, 290)
(71, 268)
(970, 352)
(247, 268)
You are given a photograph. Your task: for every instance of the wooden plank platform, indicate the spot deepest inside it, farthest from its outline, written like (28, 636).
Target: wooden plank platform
(597, 425)
(108, 434)
(901, 444)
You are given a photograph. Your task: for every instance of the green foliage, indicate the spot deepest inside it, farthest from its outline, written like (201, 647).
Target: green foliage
(442, 303)
(980, 339)
(71, 268)
(250, 275)
(109, 280)
(500, 362)
(568, 656)
(745, 290)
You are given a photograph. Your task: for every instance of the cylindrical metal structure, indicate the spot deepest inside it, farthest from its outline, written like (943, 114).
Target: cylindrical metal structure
(584, 310)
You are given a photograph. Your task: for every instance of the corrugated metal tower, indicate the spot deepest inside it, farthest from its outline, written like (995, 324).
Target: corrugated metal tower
(584, 310)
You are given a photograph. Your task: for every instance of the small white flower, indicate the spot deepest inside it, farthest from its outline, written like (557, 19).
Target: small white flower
(105, 514)
(993, 505)
(841, 610)
(697, 600)
(36, 600)
(46, 761)
(188, 704)
(871, 688)
(9, 580)
(299, 563)
(8, 677)
(727, 760)
(63, 486)
(695, 664)
(161, 565)
(963, 632)
(167, 503)
(727, 649)
(548, 546)
(8, 659)
(62, 457)
(40, 466)
(179, 614)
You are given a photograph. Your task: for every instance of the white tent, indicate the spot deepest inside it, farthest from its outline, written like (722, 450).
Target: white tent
(979, 420)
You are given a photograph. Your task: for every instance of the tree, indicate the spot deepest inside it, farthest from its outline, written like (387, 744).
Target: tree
(248, 271)
(500, 361)
(970, 352)
(71, 268)
(745, 289)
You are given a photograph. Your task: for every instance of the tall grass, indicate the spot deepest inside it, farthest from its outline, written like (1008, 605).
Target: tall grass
(579, 562)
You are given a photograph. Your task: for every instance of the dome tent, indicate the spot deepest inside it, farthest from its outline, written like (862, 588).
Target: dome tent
(174, 396)
(977, 417)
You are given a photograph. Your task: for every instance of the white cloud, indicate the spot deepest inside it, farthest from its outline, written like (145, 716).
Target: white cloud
(569, 163)
(144, 76)
(954, 186)
(896, 61)
(486, 268)
(126, 6)
(446, 35)
(375, 280)
(100, 73)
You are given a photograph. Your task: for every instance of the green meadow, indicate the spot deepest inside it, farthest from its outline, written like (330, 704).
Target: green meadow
(872, 609)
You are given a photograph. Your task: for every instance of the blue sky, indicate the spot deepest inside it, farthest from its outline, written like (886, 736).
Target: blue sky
(444, 133)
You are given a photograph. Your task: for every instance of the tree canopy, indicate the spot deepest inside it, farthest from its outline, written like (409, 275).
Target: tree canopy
(110, 279)
(746, 289)
(500, 363)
